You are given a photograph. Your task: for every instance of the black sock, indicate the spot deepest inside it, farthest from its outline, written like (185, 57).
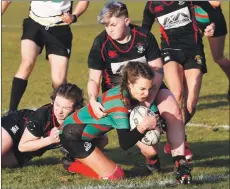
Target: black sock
(18, 89)
(178, 158)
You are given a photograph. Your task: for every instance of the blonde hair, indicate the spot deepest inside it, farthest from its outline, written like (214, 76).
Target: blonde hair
(111, 9)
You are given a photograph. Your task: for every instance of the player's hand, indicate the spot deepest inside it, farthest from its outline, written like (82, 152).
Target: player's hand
(67, 18)
(54, 135)
(148, 123)
(98, 109)
(209, 30)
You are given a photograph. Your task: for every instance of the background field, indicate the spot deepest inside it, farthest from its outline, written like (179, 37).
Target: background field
(211, 148)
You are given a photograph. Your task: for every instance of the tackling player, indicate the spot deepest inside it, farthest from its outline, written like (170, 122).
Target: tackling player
(27, 133)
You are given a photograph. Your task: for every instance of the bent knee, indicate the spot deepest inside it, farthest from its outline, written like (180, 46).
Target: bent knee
(57, 82)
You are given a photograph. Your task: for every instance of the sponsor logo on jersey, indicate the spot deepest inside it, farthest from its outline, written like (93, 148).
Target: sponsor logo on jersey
(198, 59)
(112, 54)
(158, 9)
(117, 67)
(175, 19)
(87, 146)
(14, 129)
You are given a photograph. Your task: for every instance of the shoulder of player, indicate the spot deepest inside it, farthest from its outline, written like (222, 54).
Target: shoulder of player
(44, 111)
(101, 38)
(140, 29)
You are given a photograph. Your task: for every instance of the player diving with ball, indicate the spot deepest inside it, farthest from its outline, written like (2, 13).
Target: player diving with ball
(80, 131)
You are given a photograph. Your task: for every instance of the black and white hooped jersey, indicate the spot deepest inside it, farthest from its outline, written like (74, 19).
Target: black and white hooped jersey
(176, 18)
(110, 56)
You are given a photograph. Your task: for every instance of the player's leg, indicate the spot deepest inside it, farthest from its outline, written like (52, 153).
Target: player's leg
(10, 135)
(193, 81)
(151, 156)
(7, 141)
(58, 50)
(31, 46)
(217, 45)
(29, 53)
(170, 111)
(174, 75)
(89, 159)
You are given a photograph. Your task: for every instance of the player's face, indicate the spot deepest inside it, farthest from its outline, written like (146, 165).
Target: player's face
(140, 89)
(117, 28)
(62, 107)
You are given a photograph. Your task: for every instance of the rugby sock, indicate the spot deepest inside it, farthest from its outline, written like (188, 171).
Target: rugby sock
(18, 89)
(80, 168)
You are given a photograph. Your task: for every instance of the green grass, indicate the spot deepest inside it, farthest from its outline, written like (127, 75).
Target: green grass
(211, 148)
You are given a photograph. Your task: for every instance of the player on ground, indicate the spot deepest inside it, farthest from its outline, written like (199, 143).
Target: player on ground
(27, 133)
(182, 52)
(80, 129)
(48, 26)
(217, 41)
(118, 44)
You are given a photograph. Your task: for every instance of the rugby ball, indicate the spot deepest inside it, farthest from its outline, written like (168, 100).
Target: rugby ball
(137, 114)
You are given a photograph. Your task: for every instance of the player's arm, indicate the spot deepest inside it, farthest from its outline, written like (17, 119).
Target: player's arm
(148, 16)
(215, 3)
(155, 61)
(30, 142)
(93, 91)
(128, 138)
(32, 138)
(5, 5)
(95, 64)
(80, 8)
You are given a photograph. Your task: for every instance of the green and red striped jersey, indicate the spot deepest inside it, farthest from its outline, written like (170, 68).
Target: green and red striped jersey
(117, 116)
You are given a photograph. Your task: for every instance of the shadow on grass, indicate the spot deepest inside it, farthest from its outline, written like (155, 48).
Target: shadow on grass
(44, 161)
(210, 153)
(220, 100)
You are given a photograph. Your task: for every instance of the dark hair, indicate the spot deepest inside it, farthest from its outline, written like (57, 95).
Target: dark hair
(131, 72)
(71, 92)
(111, 9)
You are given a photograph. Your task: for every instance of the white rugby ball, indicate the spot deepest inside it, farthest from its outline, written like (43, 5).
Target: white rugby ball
(136, 116)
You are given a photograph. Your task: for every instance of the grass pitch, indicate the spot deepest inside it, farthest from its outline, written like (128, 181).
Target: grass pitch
(210, 146)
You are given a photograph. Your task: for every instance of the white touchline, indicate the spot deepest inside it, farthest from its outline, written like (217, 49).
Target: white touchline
(201, 179)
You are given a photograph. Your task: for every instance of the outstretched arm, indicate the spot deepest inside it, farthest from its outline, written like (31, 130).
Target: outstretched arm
(5, 5)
